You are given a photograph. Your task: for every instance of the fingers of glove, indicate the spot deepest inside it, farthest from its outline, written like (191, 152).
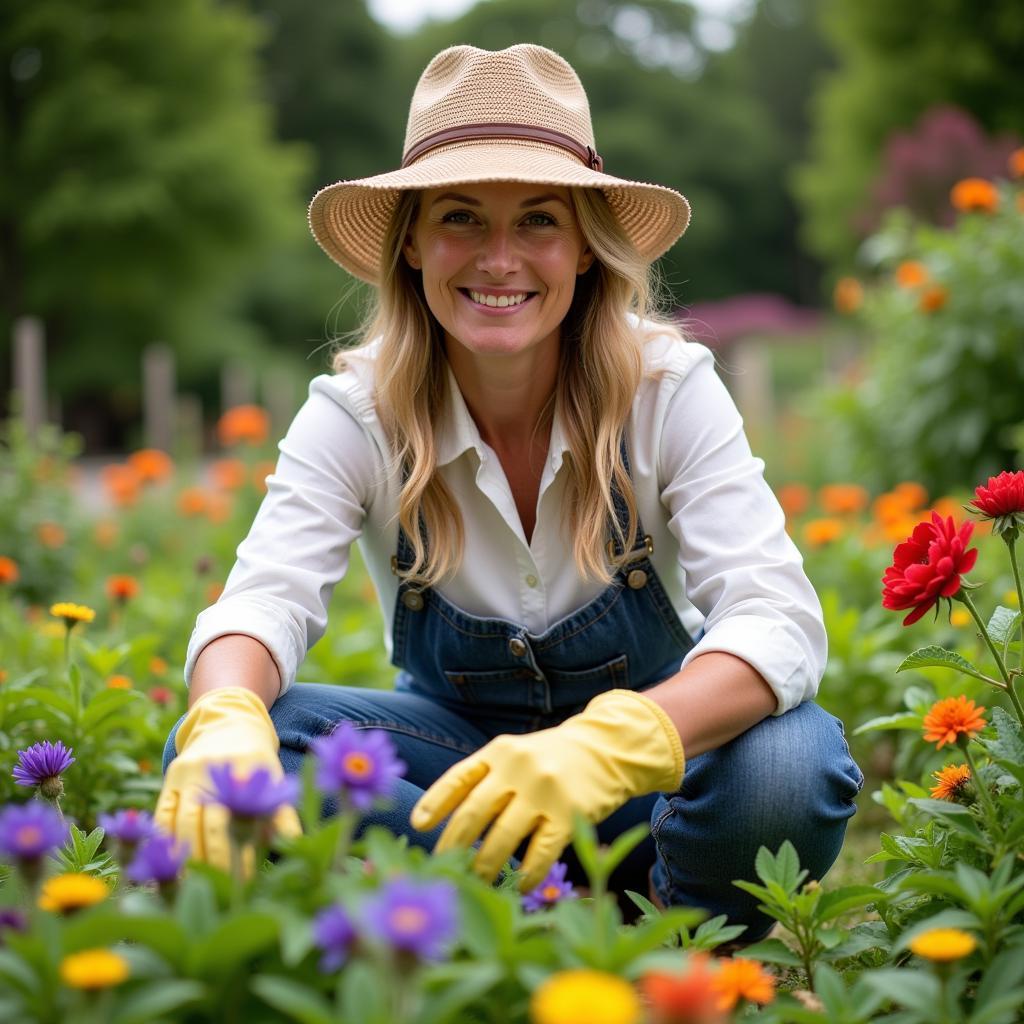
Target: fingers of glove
(166, 814)
(205, 828)
(447, 793)
(508, 831)
(549, 840)
(475, 813)
(286, 822)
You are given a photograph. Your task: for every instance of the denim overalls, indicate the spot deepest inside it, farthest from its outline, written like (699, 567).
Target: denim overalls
(465, 679)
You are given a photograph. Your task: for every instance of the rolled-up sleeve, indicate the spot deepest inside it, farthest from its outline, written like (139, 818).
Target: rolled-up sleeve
(297, 548)
(742, 570)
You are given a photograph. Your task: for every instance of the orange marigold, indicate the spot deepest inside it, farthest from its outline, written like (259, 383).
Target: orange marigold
(933, 299)
(842, 499)
(121, 483)
(848, 295)
(794, 499)
(122, 588)
(192, 501)
(228, 474)
(8, 570)
(51, 535)
(819, 532)
(913, 495)
(151, 465)
(973, 195)
(686, 997)
(260, 472)
(952, 718)
(105, 533)
(911, 274)
(952, 780)
(1016, 163)
(218, 507)
(743, 979)
(247, 424)
(119, 683)
(157, 665)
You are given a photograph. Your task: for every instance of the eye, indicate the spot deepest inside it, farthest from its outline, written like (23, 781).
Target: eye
(540, 220)
(457, 217)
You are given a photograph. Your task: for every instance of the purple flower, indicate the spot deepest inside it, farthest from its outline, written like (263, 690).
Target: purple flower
(28, 832)
(159, 859)
(358, 764)
(413, 917)
(11, 920)
(552, 890)
(128, 827)
(252, 797)
(334, 933)
(41, 765)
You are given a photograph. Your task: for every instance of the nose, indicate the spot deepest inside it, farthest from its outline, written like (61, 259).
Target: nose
(498, 256)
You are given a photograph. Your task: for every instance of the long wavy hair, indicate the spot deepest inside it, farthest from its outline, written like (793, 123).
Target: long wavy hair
(601, 366)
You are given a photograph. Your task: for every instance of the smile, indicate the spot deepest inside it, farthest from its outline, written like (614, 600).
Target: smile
(497, 301)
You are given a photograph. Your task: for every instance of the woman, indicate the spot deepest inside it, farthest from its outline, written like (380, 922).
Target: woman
(558, 507)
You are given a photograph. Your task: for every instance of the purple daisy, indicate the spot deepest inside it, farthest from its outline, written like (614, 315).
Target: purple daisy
(129, 827)
(159, 859)
(41, 765)
(419, 918)
(358, 764)
(552, 890)
(28, 832)
(334, 934)
(252, 797)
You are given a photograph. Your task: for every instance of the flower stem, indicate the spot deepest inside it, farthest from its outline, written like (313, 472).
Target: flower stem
(1011, 544)
(980, 788)
(963, 596)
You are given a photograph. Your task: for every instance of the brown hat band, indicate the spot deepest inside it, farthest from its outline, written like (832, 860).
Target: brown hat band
(498, 130)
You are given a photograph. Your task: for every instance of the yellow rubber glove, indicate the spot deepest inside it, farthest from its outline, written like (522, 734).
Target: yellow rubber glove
(228, 724)
(620, 746)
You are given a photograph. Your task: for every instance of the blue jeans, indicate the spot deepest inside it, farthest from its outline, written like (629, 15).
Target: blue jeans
(789, 777)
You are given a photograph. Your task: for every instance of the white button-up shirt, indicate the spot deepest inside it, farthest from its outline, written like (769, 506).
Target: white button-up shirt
(720, 545)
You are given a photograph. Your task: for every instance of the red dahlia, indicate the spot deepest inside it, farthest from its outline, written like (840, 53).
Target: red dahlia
(927, 566)
(1002, 496)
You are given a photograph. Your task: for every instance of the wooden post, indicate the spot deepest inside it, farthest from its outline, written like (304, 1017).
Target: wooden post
(158, 396)
(237, 386)
(30, 373)
(188, 432)
(278, 389)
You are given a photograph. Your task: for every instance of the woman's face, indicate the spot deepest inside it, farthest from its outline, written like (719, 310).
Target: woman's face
(499, 262)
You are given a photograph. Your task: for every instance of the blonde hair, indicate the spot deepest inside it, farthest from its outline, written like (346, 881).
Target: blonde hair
(601, 366)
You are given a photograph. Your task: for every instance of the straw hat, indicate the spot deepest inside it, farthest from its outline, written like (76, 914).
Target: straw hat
(480, 115)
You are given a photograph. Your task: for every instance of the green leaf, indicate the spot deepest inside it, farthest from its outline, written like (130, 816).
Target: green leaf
(782, 868)
(584, 842)
(903, 720)
(362, 994)
(937, 657)
(1002, 624)
(295, 1000)
(838, 902)
(1005, 973)
(158, 997)
(472, 982)
(105, 703)
(196, 906)
(233, 942)
(623, 845)
(1008, 744)
(913, 989)
(952, 918)
(773, 951)
(954, 814)
(105, 927)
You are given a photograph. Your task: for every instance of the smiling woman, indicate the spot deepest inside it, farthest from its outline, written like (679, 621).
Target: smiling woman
(587, 584)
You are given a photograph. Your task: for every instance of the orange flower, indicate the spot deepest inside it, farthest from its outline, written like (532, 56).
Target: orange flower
(840, 499)
(121, 483)
(51, 535)
(151, 465)
(933, 299)
(974, 195)
(192, 501)
(819, 532)
(228, 474)
(951, 780)
(218, 507)
(1016, 163)
(244, 423)
(213, 592)
(119, 683)
(105, 533)
(122, 588)
(260, 472)
(3, 676)
(145, 765)
(687, 997)
(743, 979)
(157, 665)
(952, 718)
(8, 570)
(947, 507)
(913, 495)
(794, 499)
(848, 295)
(911, 274)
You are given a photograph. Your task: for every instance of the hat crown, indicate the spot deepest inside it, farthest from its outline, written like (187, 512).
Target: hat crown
(525, 84)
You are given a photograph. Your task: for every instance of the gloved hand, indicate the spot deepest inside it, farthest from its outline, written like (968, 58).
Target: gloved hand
(228, 724)
(620, 746)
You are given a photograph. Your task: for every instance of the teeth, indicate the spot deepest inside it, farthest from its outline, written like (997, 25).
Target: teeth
(498, 300)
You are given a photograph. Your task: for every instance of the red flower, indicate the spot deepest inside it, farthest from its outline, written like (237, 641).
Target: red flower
(161, 695)
(927, 566)
(1002, 495)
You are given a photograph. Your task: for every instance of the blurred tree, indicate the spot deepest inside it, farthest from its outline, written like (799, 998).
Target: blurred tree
(667, 107)
(896, 61)
(141, 181)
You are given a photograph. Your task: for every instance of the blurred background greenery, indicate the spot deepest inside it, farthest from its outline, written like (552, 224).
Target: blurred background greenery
(158, 160)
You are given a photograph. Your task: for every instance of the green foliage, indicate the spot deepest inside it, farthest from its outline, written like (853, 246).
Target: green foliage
(940, 395)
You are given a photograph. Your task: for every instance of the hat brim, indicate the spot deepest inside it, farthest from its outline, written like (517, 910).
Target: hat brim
(349, 219)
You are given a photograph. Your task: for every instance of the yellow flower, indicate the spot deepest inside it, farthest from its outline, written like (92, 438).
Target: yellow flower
(943, 944)
(119, 683)
(72, 614)
(1010, 598)
(960, 617)
(72, 891)
(93, 969)
(585, 997)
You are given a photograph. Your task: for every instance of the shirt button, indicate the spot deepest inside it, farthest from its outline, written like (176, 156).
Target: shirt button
(637, 579)
(517, 647)
(531, 580)
(413, 600)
